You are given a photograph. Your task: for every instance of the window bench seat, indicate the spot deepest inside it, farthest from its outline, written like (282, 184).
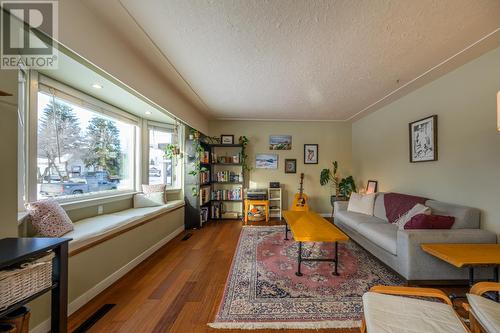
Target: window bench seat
(95, 230)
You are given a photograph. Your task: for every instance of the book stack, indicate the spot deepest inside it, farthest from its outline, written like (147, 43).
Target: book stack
(234, 194)
(205, 177)
(227, 176)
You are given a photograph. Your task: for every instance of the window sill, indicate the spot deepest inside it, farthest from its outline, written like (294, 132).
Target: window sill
(95, 201)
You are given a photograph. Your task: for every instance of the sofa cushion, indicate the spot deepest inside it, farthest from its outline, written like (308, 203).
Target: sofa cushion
(381, 234)
(360, 203)
(352, 219)
(388, 313)
(465, 217)
(379, 207)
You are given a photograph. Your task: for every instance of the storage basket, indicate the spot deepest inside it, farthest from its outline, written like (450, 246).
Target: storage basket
(30, 278)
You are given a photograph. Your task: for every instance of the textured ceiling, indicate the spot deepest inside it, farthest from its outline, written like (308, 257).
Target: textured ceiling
(307, 59)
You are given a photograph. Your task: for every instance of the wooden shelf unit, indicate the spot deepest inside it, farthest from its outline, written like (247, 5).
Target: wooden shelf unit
(275, 197)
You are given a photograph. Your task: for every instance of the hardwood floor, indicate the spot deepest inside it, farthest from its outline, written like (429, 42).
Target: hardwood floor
(177, 289)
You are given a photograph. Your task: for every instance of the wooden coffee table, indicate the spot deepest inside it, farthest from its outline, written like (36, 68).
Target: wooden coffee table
(310, 227)
(467, 255)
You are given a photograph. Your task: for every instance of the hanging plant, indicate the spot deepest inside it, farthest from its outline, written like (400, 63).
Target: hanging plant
(197, 168)
(243, 140)
(172, 151)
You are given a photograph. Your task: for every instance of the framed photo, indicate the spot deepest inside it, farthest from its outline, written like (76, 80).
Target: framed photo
(266, 161)
(290, 165)
(280, 142)
(372, 186)
(310, 154)
(227, 139)
(423, 140)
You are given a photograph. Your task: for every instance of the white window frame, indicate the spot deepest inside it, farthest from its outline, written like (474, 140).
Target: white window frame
(37, 83)
(147, 125)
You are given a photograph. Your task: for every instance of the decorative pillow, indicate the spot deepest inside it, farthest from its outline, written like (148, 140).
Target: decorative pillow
(422, 221)
(147, 189)
(416, 210)
(363, 204)
(149, 200)
(48, 218)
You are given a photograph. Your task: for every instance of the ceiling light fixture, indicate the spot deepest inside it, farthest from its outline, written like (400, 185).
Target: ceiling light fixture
(97, 86)
(148, 112)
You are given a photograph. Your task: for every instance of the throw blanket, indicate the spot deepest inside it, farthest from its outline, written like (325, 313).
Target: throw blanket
(397, 204)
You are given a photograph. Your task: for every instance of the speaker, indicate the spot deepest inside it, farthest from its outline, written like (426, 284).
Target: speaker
(274, 184)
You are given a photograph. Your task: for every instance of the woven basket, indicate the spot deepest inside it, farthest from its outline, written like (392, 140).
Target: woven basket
(21, 283)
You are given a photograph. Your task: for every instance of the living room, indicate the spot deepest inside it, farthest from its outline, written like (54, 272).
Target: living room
(232, 165)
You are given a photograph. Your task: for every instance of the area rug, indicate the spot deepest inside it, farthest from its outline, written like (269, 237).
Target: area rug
(262, 290)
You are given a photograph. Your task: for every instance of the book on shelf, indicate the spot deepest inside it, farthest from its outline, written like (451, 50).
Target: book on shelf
(204, 195)
(205, 157)
(233, 194)
(204, 177)
(228, 176)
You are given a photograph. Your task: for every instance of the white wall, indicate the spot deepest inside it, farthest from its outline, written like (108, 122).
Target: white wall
(468, 169)
(334, 139)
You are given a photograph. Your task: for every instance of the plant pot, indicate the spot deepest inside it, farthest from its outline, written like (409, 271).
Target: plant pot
(19, 318)
(335, 198)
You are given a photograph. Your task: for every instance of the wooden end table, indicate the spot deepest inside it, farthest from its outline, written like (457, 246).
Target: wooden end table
(467, 255)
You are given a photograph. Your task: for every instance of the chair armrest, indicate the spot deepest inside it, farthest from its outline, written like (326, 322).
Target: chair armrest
(483, 287)
(340, 205)
(412, 291)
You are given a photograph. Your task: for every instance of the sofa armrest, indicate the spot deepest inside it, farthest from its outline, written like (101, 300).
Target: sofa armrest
(415, 263)
(340, 205)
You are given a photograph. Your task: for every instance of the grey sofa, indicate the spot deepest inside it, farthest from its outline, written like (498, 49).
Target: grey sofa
(400, 249)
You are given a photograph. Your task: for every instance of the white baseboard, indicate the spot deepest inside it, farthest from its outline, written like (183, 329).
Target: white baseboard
(44, 327)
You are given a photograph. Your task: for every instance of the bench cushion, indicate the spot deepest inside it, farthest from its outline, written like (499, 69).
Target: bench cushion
(486, 311)
(396, 314)
(95, 228)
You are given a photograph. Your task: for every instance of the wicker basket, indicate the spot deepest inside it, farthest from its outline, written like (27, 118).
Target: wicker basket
(21, 283)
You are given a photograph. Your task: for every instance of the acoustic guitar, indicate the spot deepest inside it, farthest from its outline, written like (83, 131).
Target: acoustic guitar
(300, 199)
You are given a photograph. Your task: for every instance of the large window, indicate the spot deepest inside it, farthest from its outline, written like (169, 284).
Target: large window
(162, 170)
(80, 151)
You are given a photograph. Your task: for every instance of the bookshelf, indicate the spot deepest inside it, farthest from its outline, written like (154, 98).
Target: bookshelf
(226, 182)
(275, 198)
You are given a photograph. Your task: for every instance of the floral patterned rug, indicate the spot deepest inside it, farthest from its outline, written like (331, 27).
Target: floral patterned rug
(262, 290)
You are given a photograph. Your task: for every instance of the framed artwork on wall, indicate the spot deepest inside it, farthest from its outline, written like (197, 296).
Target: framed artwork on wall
(227, 139)
(423, 140)
(310, 154)
(280, 142)
(372, 186)
(266, 161)
(290, 165)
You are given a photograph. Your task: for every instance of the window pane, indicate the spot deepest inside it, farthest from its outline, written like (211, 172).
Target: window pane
(80, 151)
(161, 170)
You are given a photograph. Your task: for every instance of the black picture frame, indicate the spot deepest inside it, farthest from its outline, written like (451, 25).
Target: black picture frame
(373, 184)
(308, 147)
(424, 130)
(227, 139)
(293, 162)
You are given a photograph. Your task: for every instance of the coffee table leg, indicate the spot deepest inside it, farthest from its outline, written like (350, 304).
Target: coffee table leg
(336, 258)
(471, 276)
(286, 231)
(495, 278)
(299, 260)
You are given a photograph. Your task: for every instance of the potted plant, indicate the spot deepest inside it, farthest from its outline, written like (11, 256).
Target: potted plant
(340, 189)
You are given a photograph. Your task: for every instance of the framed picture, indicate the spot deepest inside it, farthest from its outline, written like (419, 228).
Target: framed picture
(290, 165)
(280, 142)
(266, 161)
(372, 186)
(227, 139)
(423, 140)
(310, 154)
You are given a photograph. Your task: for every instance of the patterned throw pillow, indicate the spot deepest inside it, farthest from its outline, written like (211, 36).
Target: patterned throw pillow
(48, 218)
(148, 200)
(148, 189)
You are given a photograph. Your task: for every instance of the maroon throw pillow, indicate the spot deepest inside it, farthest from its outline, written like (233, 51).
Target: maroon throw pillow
(422, 221)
